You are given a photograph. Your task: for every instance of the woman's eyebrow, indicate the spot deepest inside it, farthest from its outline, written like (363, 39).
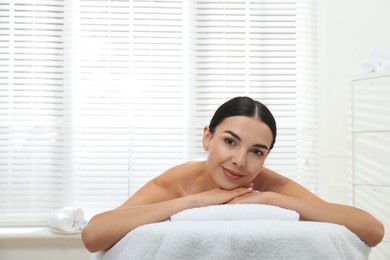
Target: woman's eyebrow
(239, 139)
(233, 134)
(261, 146)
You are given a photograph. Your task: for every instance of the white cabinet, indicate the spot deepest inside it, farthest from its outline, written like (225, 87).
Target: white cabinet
(369, 160)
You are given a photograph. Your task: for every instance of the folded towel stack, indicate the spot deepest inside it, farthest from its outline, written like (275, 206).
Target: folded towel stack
(378, 60)
(67, 220)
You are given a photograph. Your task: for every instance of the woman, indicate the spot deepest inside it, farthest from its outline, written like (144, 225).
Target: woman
(239, 138)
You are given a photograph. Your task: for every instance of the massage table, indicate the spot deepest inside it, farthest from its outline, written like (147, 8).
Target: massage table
(246, 231)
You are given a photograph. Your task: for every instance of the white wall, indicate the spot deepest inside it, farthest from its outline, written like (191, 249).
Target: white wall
(349, 30)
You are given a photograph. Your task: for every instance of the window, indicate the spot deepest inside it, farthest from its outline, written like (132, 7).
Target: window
(98, 97)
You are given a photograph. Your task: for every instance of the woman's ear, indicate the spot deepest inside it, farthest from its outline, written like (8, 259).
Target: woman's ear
(206, 138)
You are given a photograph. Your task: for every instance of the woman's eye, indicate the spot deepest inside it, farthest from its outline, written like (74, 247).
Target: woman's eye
(229, 141)
(257, 152)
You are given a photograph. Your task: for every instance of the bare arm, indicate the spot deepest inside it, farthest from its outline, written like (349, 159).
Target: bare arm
(311, 208)
(107, 228)
(364, 225)
(149, 205)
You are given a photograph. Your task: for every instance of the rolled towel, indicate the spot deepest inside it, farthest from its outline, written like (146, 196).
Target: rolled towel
(79, 225)
(368, 67)
(381, 65)
(61, 222)
(77, 214)
(378, 60)
(67, 220)
(235, 212)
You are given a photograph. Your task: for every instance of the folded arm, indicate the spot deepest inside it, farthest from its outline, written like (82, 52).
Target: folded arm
(311, 208)
(150, 204)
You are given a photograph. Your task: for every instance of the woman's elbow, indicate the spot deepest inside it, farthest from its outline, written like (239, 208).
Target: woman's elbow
(377, 234)
(91, 236)
(88, 240)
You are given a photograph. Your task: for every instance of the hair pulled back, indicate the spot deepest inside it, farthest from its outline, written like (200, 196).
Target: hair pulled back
(244, 106)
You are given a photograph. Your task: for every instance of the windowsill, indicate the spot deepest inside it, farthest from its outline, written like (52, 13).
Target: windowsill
(34, 232)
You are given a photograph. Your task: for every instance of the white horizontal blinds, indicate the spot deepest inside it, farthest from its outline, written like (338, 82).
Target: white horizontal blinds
(221, 59)
(307, 95)
(98, 94)
(31, 109)
(272, 68)
(253, 48)
(98, 97)
(158, 63)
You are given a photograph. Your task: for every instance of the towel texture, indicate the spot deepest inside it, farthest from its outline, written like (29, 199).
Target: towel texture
(378, 60)
(235, 212)
(60, 221)
(238, 239)
(67, 220)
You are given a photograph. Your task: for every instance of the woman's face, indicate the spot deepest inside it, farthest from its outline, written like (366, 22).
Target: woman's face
(236, 151)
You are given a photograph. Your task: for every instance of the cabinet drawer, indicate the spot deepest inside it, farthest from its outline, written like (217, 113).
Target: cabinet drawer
(374, 199)
(370, 104)
(371, 158)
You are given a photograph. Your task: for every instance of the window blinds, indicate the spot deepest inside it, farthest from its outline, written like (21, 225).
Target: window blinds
(97, 74)
(160, 68)
(31, 108)
(264, 49)
(98, 97)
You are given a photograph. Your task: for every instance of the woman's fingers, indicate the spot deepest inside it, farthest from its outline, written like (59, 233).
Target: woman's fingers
(241, 191)
(249, 185)
(219, 196)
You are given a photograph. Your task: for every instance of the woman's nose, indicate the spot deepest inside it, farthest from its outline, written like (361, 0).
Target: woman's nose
(239, 158)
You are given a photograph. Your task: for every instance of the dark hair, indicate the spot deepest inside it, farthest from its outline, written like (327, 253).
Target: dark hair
(244, 106)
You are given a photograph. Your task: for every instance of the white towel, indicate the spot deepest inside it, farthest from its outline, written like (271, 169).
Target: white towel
(378, 60)
(67, 220)
(77, 214)
(239, 239)
(61, 221)
(235, 212)
(375, 65)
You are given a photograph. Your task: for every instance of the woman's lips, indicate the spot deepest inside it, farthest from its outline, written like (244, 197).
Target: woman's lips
(232, 175)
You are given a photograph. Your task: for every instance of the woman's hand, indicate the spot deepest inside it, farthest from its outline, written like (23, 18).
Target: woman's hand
(219, 196)
(254, 197)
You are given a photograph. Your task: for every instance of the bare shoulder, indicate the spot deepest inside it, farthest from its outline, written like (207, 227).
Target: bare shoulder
(175, 176)
(269, 180)
(167, 186)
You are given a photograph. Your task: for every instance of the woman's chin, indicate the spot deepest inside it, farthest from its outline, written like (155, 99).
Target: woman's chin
(230, 186)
